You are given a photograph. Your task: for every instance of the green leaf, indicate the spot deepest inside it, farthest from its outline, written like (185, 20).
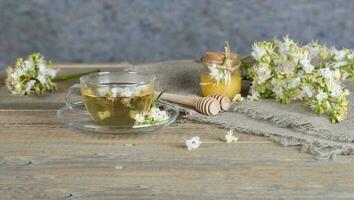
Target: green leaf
(158, 98)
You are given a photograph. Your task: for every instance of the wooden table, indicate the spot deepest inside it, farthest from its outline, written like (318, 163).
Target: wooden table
(41, 158)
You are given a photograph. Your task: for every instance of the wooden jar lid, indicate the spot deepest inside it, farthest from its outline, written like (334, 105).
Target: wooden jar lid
(216, 57)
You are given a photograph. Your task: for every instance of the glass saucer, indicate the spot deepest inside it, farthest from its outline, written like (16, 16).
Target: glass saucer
(83, 121)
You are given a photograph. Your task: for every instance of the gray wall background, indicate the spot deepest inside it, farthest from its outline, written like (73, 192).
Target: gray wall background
(139, 31)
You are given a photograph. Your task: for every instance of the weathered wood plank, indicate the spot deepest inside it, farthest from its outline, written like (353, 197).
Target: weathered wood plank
(37, 124)
(208, 172)
(56, 133)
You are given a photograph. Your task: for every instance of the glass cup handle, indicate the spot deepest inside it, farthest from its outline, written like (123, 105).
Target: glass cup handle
(68, 100)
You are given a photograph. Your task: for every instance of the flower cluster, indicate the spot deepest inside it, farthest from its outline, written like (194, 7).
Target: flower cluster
(153, 116)
(218, 74)
(31, 77)
(312, 73)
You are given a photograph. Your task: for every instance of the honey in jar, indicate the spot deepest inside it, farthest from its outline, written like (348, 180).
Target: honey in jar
(223, 74)
(228, 88)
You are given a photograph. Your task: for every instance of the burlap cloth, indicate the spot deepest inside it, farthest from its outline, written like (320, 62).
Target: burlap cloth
(291, 124)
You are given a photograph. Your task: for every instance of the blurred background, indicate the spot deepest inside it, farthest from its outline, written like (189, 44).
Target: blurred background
(137, 31)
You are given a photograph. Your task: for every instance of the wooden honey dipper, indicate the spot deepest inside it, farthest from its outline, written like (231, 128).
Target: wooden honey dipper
(205, 105)
(224, 101)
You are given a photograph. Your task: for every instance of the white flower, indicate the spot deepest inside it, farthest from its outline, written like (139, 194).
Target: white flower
(321, 95)
(193, 143)
(27, 65)
(154, 115)
(229, 137)
(306, 65)
(42, 68)
(254, 97)
(19, 72)
(52, 72)
(284, 47)
(331, 84)
(312, 73)
(337, 74)
(307, 91)
(278, 90)
(340, 55)
(140, 117)
(295, 82)
(350, 56)
(336, 90)
(41, 78)
(286, 67)
(238, 98)
(326, 73)
(253, 94)
(216, 73)
(158, 115)
(22, 78)
(313, 48)
(30, 85)
(263, 72)
(258, 51)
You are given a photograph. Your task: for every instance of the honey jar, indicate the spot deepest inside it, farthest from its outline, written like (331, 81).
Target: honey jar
(223, 73)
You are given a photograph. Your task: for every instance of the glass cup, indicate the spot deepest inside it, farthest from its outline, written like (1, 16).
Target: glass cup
(114, 98)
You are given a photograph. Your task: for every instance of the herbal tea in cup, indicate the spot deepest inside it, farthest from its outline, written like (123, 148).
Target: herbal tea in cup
(115, 98)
